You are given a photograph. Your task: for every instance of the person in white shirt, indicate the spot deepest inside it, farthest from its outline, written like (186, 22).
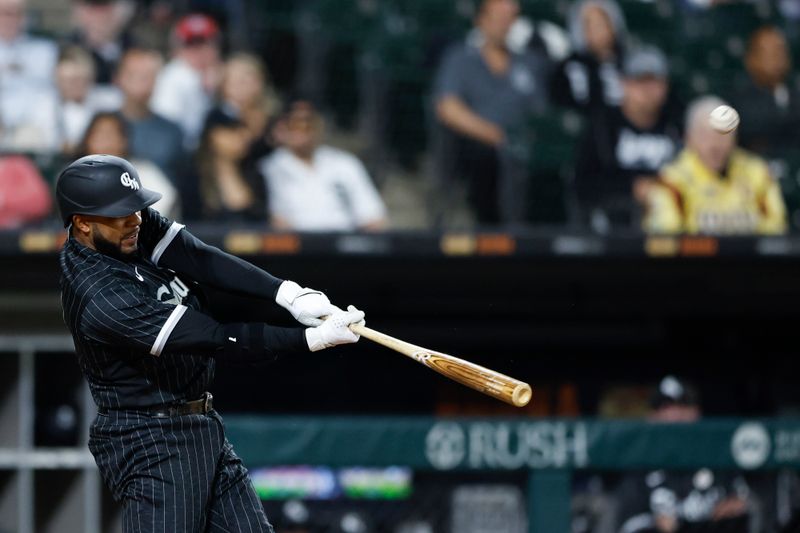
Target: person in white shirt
(314, 187)
(26, 71)
(60, 117)
(80, 96)
(185, 86)
(23, 58)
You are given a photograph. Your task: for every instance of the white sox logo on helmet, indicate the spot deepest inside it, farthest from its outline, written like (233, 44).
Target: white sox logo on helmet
(129, 182)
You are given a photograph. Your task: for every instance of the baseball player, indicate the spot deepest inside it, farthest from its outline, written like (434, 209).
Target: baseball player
(131, 292)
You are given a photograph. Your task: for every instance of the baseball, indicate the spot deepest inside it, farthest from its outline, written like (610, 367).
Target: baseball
(724, 119)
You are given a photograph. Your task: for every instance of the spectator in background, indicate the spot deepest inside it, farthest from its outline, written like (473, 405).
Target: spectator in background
(60, 119)
(26, 73)
(23, 59)
(769, 106)
(669, 502)
(790, 9)
(24, 194)
(590, 77)
(223, 191)
(80, 97)
(542, 36)
(152, 26)
(713, 187)
(152, 136)
(235, 138)
(100, 30)
(246, 95)
(185, 86)
(313, 187)
(484, 95)
(624, 147)
(107, 134)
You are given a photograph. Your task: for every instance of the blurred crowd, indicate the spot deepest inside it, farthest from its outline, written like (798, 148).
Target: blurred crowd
(496, 112)
(703, 500)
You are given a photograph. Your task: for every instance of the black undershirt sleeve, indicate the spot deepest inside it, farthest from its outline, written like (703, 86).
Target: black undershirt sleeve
(208, 265)
(241, 342)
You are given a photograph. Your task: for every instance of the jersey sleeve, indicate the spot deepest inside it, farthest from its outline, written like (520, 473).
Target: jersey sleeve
(170, 245)
(122, 316)
(156, 233)
(184, 253)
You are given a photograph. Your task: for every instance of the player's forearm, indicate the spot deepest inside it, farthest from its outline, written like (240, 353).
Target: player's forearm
(208, 265)
(251, 342)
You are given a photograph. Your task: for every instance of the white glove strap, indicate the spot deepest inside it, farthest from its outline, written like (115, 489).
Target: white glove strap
(287, 292)
(314, 340)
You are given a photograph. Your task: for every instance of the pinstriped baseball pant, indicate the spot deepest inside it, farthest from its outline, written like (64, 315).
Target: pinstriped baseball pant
(175, 474)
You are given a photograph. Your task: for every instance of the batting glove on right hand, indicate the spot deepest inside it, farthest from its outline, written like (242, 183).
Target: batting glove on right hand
(335, 330)
(306, 305)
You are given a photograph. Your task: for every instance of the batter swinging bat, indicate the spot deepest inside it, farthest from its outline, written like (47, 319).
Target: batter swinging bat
(475, 376)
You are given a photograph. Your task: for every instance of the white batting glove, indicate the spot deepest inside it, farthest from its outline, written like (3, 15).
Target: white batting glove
(306, 305)
(335, 330)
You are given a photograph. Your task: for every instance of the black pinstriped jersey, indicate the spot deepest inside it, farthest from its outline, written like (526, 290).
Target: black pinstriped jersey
(121, 314)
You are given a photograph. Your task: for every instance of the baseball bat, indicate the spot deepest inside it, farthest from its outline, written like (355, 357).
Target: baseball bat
(481, 379)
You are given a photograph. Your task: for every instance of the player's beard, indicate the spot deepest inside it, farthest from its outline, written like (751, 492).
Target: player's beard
(104, 246)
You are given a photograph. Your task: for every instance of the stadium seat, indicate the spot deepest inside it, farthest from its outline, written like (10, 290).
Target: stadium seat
(651, 22)
(346, 20)
(551, 10)
(553, 141)
(406, 49)
(276, 14)
(716, 39)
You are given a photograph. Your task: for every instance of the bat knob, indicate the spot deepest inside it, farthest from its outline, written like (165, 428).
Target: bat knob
(521, 395)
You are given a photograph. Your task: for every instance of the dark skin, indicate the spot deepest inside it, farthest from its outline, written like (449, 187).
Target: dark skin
(114, 236)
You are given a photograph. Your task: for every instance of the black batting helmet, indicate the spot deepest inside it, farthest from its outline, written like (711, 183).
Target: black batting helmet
(102, 185)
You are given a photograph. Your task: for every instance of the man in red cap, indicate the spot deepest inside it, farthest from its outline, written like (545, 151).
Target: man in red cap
(185, 86)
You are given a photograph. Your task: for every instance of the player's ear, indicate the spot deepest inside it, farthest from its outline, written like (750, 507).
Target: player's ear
(80, 224)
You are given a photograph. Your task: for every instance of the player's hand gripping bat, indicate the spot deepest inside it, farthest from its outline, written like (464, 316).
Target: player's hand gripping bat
(481, 379)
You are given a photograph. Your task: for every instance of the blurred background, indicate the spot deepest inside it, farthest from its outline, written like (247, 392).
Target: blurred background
(532, 185)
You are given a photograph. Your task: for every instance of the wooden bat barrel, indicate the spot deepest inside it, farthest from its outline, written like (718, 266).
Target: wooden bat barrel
(477, 377)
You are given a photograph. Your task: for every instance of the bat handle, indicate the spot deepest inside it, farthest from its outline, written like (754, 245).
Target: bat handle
(358, 329)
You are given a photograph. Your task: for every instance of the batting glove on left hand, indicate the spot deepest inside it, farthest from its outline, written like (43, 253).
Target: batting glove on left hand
(306, 305)
(335, 330)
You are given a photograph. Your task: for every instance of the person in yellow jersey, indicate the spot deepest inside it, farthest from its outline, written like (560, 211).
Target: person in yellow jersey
(713, 187)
